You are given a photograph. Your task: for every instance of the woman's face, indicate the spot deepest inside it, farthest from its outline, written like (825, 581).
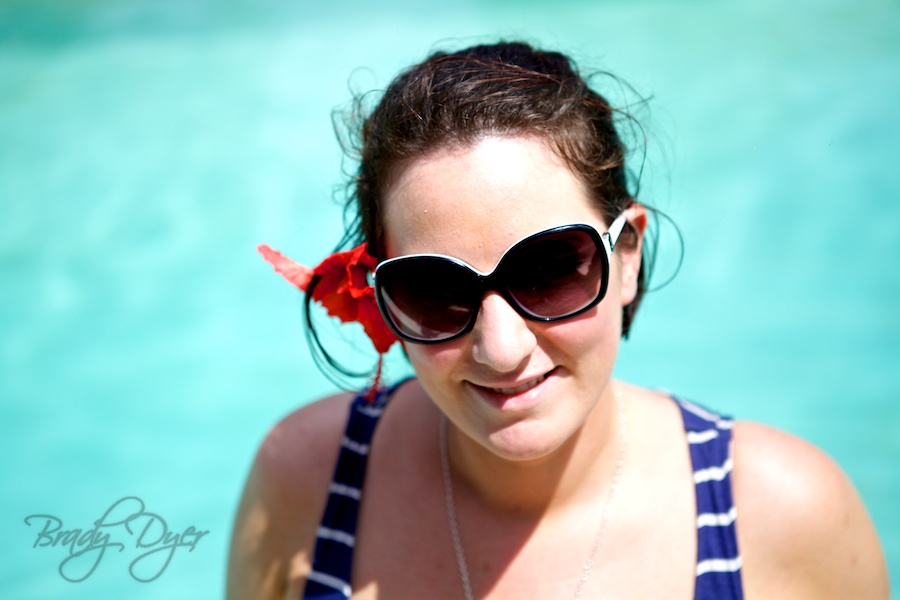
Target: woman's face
(519, 388)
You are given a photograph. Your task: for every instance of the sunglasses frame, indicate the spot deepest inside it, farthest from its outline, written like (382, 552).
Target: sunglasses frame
(488, 281)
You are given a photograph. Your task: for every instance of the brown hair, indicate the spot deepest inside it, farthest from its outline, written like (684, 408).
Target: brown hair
(508, 88)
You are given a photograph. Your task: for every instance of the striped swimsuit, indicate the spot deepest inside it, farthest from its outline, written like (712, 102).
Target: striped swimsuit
(718, 570)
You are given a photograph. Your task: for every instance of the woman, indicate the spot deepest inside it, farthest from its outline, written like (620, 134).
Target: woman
(513, 465)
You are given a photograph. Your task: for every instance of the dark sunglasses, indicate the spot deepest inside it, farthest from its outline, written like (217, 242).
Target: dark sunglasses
(548, 276)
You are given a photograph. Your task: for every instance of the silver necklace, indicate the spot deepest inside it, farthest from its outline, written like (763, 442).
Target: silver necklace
(604, 517)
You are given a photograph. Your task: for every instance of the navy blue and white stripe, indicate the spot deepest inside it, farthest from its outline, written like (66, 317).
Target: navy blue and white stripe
(718, 573)
(336, 537)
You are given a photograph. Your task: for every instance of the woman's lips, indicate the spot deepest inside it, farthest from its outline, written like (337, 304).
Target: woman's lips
(524, 387)
(522, 396)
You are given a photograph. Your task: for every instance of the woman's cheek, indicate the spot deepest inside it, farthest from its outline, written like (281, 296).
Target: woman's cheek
(435, 363)
(587, 334)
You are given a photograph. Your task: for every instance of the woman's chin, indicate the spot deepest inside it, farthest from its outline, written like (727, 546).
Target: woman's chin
(524, 441)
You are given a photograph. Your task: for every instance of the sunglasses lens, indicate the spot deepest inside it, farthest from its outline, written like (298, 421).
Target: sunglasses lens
(427, 299)
(553, 275)
(557, 274)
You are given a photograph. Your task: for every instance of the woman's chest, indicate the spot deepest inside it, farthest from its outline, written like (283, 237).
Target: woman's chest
(405, 548)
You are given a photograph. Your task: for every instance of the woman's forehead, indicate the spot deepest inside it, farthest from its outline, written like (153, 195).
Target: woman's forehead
(481, 198)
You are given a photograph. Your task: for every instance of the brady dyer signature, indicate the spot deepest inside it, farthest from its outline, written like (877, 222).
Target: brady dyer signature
(125, 524)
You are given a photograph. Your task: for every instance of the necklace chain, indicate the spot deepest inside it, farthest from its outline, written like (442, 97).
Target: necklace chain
(604, 517)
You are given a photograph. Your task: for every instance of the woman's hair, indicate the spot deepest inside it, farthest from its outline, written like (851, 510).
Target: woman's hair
(455, 99)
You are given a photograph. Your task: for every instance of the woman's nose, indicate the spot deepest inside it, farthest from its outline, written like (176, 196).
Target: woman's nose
(501, 338)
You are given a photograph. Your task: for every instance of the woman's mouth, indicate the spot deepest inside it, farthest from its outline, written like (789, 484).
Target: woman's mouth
(524, 387)
(523, 396)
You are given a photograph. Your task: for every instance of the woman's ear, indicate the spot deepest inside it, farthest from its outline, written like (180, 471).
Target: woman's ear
(628, 251)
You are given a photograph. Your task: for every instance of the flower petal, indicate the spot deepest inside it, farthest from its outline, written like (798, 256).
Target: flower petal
(297, 274)
(373, 323)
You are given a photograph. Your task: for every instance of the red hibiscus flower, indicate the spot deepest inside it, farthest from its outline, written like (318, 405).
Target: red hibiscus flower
(343, 290)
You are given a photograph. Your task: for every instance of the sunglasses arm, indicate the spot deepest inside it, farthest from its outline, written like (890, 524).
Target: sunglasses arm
(612, 236)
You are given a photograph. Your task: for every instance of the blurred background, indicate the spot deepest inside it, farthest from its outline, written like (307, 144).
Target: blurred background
(147, 146)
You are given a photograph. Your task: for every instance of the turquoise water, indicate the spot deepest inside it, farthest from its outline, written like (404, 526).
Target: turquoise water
(147, 147)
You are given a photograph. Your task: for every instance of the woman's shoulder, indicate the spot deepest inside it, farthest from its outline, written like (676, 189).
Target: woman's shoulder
(802, 528)
(284, 497)
(300, 442)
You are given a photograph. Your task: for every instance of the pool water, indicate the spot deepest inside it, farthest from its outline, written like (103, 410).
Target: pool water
(146, 147)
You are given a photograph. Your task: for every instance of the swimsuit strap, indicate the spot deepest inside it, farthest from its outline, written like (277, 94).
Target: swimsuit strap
(718, 573)
(332, 565)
